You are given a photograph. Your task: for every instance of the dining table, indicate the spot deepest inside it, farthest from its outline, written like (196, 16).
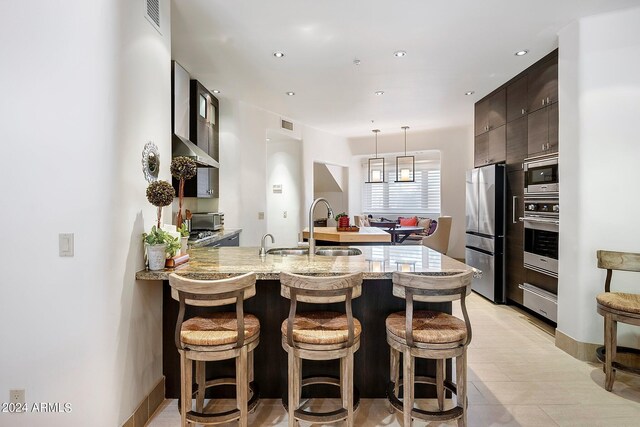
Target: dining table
(399, 233)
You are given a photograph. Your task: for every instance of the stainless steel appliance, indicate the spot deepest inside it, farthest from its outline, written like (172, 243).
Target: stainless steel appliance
(485, 204)
(541, 232)
(541, 175)
(211, 221)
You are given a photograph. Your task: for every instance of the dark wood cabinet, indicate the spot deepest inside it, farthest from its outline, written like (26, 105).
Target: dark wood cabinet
(490, 147)
(517, 148)
(204, 131)
(542, 131)
(514, 255)
(517, 99)
(543, 84)
(490, 112)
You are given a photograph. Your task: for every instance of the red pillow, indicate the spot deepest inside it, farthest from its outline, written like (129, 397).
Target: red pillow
(410, 222)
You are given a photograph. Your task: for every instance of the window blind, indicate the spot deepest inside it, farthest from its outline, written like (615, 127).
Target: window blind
(419, 197)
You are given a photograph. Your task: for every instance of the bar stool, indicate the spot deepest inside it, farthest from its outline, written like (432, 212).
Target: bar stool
(430, 335)
(214, 337)
(320, 335)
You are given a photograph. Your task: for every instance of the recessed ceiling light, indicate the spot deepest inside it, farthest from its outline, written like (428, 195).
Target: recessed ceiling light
(521, 52)
(278, 54)
(291, 93)
(399, 53)
(471, 92)
(379, 92)
(216, 91)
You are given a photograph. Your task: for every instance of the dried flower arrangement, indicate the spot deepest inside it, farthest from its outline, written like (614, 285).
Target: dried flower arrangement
(182, 168)
(160, 194)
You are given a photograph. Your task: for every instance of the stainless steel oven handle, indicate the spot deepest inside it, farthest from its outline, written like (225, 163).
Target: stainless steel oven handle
(542, 221)
(513, 208)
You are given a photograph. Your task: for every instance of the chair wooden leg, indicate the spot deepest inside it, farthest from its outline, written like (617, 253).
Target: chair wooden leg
(610, 343)
(407, 386)
(346, 376)
(242, 391)
(201, 379)
(294, 385)
(461, 386)
(185, 388)
(394, 374)
(250, 363)
(440, 383)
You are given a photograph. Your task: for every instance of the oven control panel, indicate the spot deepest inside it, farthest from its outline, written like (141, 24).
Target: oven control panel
(544, 207)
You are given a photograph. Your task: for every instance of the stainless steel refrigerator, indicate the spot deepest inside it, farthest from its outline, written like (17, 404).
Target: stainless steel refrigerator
(485, 226)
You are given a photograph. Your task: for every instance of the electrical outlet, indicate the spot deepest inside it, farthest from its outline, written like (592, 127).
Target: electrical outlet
(284, 214)
(16, 396)
(260, 215)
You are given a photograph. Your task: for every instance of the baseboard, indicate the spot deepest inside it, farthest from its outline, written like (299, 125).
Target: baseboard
(147, 406)
(580, 350)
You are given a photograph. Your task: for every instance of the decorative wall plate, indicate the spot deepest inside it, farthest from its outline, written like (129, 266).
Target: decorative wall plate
(150, 161)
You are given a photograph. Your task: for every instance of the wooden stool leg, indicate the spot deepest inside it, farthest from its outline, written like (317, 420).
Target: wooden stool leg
(610, 343)
(185, 387)
(346, 376)
(461, 386)
(440, 383)
(201, 380)
(407, 386)
(394, 374)
(250, 363)
(294, 385)
(242, 391)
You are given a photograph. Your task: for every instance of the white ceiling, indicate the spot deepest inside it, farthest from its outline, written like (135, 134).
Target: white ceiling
(452, 47)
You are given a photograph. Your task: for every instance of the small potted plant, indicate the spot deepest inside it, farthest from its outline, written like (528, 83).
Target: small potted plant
(184, 238)
(159, 244)
(342, 219)
(182, 168)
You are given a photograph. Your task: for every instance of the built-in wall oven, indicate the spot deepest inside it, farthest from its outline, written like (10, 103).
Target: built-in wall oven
(541, 175)
(541, 227)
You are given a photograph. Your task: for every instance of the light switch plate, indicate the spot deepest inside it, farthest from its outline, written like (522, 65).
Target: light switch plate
(65, 244)
(260, 215)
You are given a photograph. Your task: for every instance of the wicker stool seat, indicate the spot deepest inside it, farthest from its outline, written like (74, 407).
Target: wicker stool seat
(213, 337)
(320, 335)
(321, 327)
(429, 335)
(617, 307)
(429, 327)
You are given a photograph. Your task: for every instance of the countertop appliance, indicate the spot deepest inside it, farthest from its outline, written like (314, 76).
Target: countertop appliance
(207, 221)
(541, 234)
(485, 217)
(541, 175)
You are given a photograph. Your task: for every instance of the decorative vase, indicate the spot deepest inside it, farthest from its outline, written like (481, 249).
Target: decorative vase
(343, 221)
(156, 255)
(183, 245)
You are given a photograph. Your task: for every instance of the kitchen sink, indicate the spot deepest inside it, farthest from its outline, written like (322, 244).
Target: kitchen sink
(319, 251)
(338, 251)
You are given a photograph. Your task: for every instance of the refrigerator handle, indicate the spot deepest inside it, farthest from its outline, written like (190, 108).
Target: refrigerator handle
(513, 208)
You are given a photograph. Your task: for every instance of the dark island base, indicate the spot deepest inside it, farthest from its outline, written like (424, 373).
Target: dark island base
(371, 367)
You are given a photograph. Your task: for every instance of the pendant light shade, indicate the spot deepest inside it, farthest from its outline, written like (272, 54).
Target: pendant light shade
(405, 165)
(375, 171)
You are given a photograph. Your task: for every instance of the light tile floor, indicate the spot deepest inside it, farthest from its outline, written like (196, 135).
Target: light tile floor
(517, 377)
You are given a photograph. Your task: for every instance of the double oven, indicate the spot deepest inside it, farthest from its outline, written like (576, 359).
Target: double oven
(541, 215)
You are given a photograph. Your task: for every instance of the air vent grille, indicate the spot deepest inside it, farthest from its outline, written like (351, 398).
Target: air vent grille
(153, 11)
(287, 125)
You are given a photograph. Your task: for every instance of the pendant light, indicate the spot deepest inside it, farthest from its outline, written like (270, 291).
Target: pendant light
(376, 165)
(405, 165)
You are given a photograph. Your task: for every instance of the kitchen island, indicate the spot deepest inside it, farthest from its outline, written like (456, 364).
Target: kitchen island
(377, 263)
(364, 236)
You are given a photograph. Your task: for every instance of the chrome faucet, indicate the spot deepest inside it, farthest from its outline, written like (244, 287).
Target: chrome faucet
(312, 240)
(263, 250)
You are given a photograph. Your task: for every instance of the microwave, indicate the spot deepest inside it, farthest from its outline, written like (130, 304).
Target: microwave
(541, 175)
(207, 221)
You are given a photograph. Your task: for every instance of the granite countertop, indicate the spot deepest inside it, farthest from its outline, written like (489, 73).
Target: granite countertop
(376, 262)
(227, 232)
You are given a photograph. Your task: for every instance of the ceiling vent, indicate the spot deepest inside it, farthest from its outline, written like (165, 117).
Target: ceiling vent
(287, 125)
(153, 13)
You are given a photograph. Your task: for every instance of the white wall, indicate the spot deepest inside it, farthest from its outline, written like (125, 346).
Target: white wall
(284, 167)
(84, 85)
(243, 164)
(456, 150)
(599, 83)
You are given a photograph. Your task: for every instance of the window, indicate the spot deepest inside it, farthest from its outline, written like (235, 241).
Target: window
(421, 197)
